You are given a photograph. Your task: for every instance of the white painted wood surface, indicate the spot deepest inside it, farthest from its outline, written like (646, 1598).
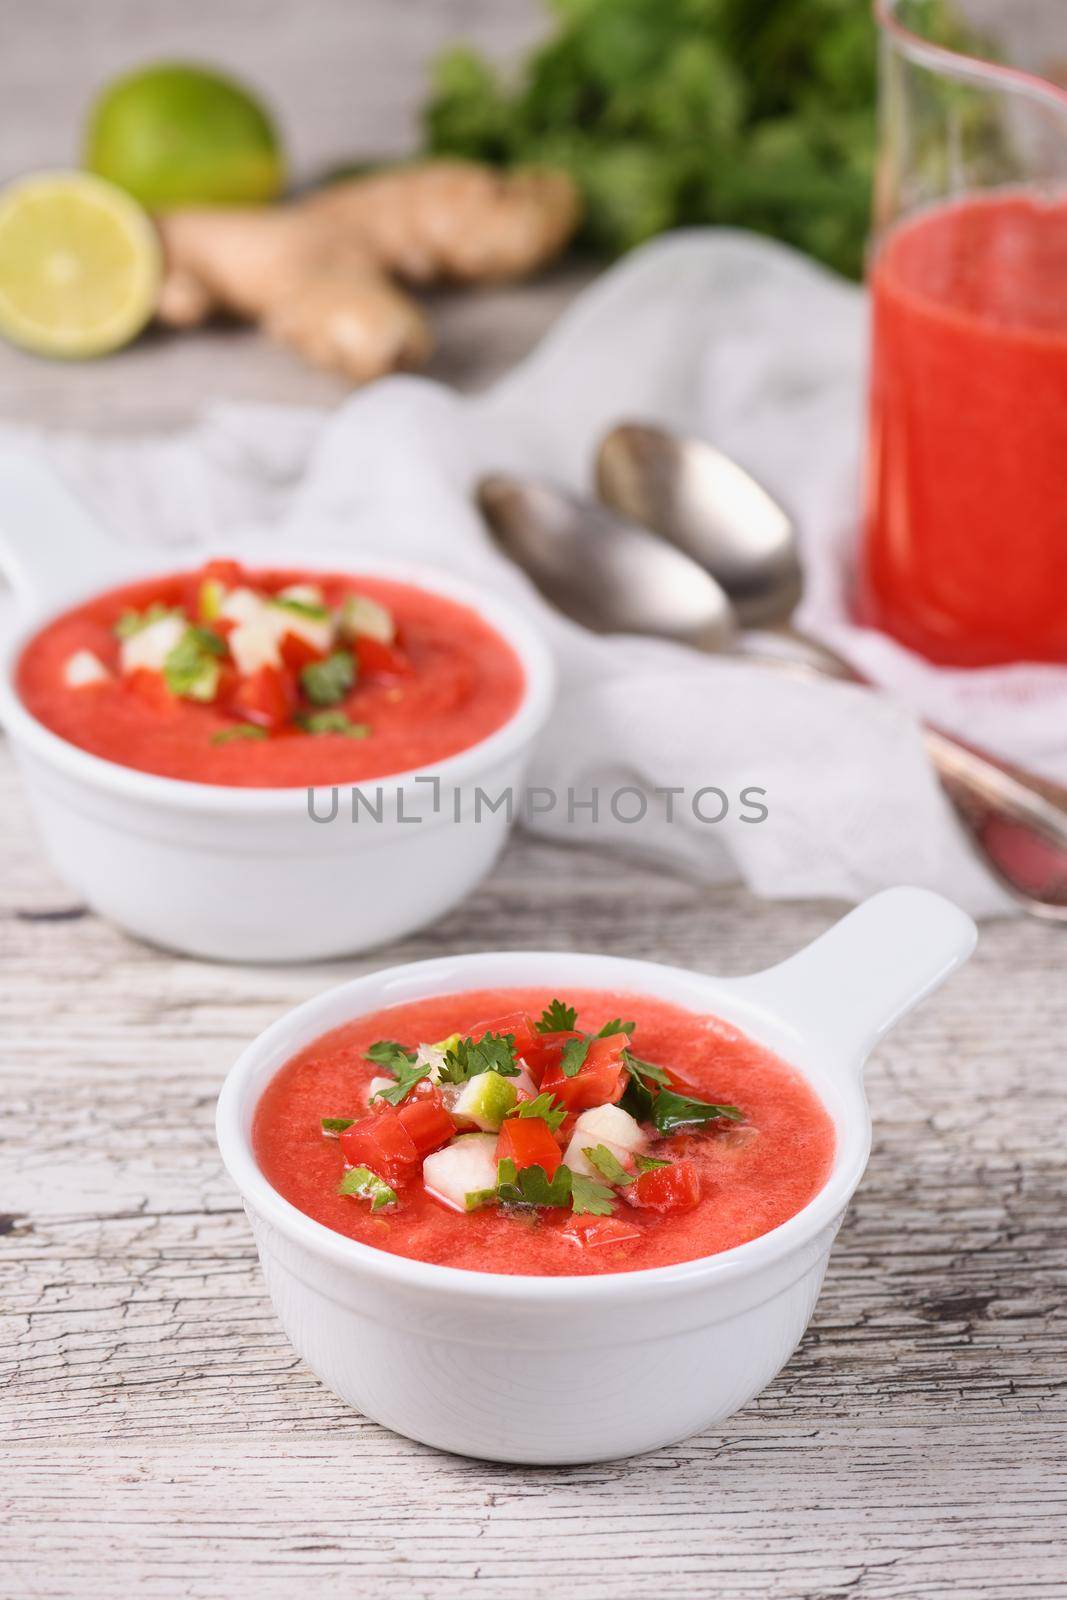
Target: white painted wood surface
(159, 1436)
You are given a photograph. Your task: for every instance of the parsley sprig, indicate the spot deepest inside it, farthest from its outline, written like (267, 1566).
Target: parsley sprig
(327, 682)
(545, 1106)
(468, 1058)
(557, 1018)
(401, 1065)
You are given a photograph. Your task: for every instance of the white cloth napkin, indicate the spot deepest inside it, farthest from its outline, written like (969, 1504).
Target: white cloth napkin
(718, 332)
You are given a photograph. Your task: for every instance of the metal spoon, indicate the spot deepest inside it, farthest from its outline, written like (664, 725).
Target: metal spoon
(607, 574)
(707, 505)
(614, 577)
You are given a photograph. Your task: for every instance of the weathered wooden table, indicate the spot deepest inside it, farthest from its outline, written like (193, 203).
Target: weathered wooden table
(162, 1439)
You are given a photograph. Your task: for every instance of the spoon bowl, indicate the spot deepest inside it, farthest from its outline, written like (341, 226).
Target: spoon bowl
(708, 506)
(602, 571)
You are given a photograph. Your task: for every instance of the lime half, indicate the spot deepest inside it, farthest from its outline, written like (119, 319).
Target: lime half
(80, 265)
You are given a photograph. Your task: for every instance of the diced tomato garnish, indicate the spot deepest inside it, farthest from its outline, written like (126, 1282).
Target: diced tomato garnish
(223, 625)
(297, 653)
(591, 1232)
(427, 1123)
(384, 661)
(599, 1080)
(519, 1024)
(528, 1141)
(382, 1143)
(150, 686)
(673, 1188)
(268, 698)
(543, 1049)
(229, 573)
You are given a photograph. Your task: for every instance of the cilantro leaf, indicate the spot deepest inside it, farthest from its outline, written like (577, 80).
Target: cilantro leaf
(401, 1065)
(545, 1106)
(608, 1165)
(191, 669)
(649, 1163)
(327, 682)
(493, 1052)
(590, 1196)
(300, 608)
(557, 1018)
(332, 722)
(671, 1111)
(574, 1054)
(390, 1055)
(406, 1079)
(366, 1185)
(241, 730)
(530, 1186)
(640, 1091)
(616, 1025)
(644, 1071)
(335, 1125)
(131, 622)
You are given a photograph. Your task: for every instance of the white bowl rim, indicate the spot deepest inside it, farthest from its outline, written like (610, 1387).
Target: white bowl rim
(851, 1153)
(522, 726)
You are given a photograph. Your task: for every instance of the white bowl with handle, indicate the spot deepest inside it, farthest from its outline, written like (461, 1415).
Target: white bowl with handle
(246, 874)
(567, 1369)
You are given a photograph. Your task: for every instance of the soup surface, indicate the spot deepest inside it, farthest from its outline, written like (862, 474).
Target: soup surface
(535, 1134)
(274, 679)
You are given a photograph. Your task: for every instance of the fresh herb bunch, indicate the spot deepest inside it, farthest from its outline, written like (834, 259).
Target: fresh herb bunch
(755, 113)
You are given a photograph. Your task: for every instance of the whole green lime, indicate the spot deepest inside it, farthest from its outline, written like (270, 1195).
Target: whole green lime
(176, 134)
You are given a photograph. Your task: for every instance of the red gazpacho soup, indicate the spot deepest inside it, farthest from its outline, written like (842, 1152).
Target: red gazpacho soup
(965, 557)
(524, 1132)
(273, 679)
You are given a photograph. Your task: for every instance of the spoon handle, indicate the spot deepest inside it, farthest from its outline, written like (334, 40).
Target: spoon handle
(1016, 820)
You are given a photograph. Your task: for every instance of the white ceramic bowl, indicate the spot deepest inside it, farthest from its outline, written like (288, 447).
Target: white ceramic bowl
(555, 1370)
(245, 874)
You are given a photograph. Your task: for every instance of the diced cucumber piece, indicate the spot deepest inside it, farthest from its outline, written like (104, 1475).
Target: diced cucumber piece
(305, 594)
(83, 668)
(361, 615)
(485, 1101)
(376, 1086)
(254, 644)
(463, 1174)
(610, 1125)
(366, 1185)
(242, 605)
(316, 631)
(148, 648)
(576, 1158)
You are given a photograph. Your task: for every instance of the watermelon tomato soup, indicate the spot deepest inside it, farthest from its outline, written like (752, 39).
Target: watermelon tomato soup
(270, 678)
(528, 1132)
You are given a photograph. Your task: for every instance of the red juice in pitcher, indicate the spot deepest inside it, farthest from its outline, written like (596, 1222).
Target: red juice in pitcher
(965, 549)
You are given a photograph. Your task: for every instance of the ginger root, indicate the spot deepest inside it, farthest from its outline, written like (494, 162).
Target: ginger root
(323, 274)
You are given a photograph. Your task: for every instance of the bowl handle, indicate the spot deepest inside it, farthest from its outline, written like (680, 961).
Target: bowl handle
(846, 990)
(52, 550)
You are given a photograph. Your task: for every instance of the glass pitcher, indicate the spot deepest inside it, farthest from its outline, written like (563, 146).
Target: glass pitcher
(964, 552)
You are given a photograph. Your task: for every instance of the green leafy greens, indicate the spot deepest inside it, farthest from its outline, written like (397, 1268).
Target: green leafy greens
(334, 1125)
(326, 682)
(131, 622)
(573, 1057)
(530, 1186)
(191, 669)
(493, 1052)
(545, 1106)
(240, 730)
(332, 722)
(557, 1018)
(401, 1064)
(366, 1185)
(671, 1111)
